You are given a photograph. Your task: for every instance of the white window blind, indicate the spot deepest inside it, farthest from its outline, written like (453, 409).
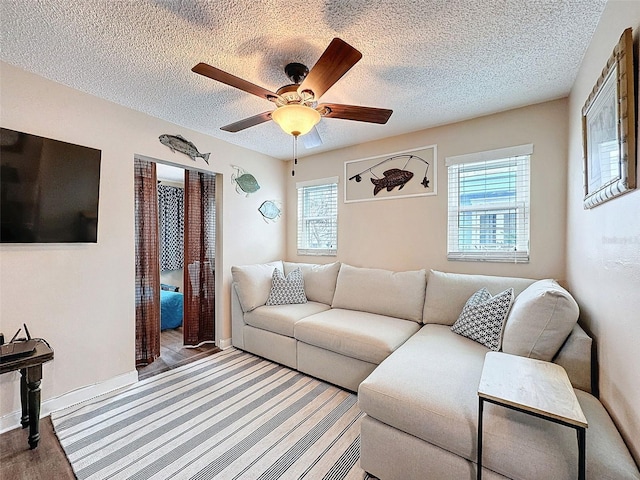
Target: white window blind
(318, 217)
(489, 205)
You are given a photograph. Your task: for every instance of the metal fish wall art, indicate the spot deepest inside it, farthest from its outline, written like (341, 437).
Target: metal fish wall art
(394, 177)
(245, 182)
(270, 211)
(178, 143)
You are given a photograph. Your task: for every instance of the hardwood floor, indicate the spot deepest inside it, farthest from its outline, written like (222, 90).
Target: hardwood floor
(174, 354)
(48, 461)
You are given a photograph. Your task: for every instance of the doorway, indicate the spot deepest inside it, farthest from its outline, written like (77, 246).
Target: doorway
(175, 265)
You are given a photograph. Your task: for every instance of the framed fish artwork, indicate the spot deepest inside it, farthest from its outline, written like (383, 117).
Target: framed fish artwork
(411, 173)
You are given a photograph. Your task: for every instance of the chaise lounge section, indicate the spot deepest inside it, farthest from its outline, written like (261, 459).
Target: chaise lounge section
(387, 335)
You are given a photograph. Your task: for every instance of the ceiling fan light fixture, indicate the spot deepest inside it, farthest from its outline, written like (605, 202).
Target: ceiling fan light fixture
(295, 119)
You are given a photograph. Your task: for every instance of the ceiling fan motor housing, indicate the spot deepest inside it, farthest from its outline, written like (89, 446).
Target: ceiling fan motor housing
(297, 72)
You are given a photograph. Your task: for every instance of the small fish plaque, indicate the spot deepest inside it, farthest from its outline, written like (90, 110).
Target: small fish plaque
(244, 182)
(270, 211)
(178, 143)
(396, 175)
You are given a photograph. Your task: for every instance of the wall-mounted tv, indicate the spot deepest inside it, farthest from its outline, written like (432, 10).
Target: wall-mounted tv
(48, 190)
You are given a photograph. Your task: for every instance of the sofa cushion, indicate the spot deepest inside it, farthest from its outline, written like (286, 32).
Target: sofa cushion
(540, 321)
(396, 294)
(319, 280)
(287, 290)
(253, 283)
(281, 318)
(448, 292)
(361, 335)
(483, 316)
(428, 388)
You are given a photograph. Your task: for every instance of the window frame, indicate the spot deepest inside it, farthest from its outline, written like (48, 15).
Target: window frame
(518, 157)
(304, 220)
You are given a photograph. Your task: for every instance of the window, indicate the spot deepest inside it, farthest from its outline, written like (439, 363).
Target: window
(318, 217)
(489, 205)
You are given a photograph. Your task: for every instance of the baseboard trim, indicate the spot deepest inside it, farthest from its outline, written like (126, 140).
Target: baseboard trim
(12, 420)
(225, 343)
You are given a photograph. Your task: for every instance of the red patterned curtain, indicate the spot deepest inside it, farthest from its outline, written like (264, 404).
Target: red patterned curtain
(199, 257)
(147, 263)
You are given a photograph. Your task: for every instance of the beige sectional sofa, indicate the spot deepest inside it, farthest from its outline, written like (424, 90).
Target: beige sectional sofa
(387, 335)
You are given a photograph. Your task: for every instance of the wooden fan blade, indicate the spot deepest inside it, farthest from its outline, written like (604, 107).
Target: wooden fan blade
(311, 139)
(233, 81)
(354, 112)
(247, 122)
(336, 60)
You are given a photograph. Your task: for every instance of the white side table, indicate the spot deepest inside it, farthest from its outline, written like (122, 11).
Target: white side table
(534, 387)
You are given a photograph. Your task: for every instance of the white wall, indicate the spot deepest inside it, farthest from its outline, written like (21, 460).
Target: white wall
(411, 233)
(80, 297)
(603, 247)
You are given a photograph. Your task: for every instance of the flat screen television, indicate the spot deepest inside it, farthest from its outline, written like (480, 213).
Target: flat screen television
(48, 190)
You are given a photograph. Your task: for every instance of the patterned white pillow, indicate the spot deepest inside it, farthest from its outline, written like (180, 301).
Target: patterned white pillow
(287, 290)
(483, 317)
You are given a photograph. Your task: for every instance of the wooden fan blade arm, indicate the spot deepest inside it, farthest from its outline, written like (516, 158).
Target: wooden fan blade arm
(247, 122)
(336, 60)
(311, 139)
(354, 112)
(233, 81)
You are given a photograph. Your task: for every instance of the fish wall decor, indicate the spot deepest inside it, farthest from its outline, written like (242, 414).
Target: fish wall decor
(244, 182)
(178, 143)
(394, 177)
(270, 211)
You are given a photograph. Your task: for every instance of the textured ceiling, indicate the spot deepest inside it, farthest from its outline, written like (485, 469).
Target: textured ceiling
(432, 61)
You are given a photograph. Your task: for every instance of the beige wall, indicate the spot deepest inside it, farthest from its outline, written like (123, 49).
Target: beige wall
(603, 247)
(411, 233)
(80, 297)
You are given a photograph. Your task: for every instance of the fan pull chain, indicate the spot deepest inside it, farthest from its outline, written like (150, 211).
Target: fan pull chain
(295, 155)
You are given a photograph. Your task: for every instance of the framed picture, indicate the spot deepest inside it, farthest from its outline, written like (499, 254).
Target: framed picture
(608, 129)
(410, 173)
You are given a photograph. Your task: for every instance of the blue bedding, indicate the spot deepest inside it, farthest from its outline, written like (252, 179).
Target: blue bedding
(170, 309)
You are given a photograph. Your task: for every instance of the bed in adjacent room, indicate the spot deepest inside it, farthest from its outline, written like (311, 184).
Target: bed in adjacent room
(170, 309)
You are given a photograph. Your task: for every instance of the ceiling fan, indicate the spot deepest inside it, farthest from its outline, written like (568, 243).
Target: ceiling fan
(297, 109)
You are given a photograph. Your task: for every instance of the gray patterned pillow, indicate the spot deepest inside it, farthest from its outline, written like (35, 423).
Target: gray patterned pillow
(483, 317)
(287, 290)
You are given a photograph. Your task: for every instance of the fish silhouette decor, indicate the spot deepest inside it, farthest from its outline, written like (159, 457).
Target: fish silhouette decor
(178, 143)
(393, 177)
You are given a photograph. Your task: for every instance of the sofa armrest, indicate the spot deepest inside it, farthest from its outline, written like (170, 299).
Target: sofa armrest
(575, 357)
(237, 319)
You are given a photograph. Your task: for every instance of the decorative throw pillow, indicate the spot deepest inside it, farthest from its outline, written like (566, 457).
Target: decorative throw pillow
(169, 288)
(287, 290)
(483, 316)
(319, 280)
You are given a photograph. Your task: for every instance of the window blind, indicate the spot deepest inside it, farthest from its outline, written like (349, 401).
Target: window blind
(488, 210)
(318, 217)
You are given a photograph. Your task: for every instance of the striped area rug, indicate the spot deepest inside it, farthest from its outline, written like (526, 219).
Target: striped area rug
(229, 416)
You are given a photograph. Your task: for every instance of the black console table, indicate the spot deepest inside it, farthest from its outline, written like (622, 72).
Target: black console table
(30, 367)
